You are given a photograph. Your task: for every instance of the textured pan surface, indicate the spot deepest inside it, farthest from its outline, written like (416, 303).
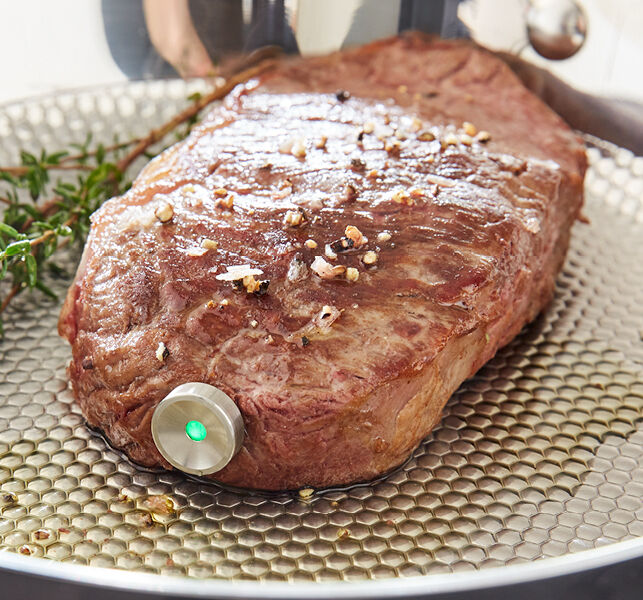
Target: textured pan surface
(539, 455)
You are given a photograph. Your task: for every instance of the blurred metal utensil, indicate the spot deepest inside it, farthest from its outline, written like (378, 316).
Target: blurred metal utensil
(556, 28)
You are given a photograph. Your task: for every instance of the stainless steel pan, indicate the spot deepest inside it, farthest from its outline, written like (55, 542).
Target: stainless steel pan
(531, 485)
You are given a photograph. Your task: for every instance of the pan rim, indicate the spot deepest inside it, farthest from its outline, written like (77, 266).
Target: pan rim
(389, 588)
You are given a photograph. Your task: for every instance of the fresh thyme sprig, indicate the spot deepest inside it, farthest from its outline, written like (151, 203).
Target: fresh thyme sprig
(30, 231)
(33, 229)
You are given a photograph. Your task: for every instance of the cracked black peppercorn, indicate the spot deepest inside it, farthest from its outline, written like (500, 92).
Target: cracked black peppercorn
(342, 95)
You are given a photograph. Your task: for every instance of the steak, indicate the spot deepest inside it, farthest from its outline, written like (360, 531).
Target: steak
(406, 207)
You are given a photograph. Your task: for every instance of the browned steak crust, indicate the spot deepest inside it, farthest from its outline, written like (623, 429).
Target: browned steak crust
(478, 231)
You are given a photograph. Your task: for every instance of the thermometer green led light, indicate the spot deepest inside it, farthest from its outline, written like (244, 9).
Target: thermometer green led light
(197, 428)
(196, 431)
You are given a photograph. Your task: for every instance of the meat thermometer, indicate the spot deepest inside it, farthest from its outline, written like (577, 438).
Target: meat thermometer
(197, 428)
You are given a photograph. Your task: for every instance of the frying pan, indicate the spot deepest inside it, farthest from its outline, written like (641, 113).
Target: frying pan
(531, 485)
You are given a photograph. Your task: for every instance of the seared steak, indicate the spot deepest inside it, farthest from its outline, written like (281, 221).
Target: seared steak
(409, 203)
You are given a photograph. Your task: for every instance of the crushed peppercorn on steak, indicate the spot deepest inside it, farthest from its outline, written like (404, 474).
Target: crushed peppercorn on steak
(337, 262)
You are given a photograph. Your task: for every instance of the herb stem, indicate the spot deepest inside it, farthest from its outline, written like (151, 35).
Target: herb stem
(106, 149)
(18, 171)
(72, 161)
(45, 210)
(51, 232)
(10, 296)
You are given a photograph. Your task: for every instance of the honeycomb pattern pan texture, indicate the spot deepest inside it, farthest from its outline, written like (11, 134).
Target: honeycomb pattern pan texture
(539, 455)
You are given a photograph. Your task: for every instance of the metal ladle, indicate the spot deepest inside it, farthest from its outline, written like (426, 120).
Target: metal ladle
(556, 28)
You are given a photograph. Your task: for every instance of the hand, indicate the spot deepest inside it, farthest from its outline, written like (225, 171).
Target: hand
(172, 33)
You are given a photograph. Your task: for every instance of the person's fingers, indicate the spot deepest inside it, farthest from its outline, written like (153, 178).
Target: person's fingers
(173, 34)
(193, 61)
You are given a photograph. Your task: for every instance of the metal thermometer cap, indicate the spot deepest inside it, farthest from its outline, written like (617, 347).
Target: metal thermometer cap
(197, 428)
